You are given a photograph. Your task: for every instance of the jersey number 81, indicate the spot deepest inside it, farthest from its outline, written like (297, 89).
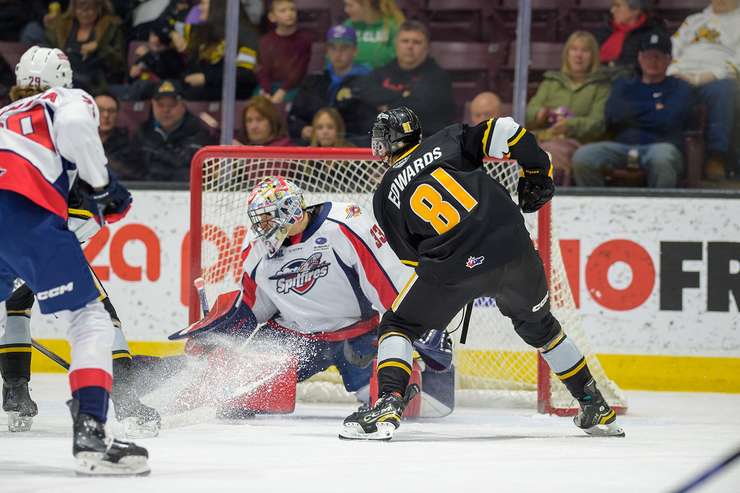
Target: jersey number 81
(428, 204)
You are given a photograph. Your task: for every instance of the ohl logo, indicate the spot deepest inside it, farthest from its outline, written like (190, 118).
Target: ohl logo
(300, 275)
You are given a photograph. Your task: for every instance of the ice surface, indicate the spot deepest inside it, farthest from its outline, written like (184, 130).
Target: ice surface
(670, 438)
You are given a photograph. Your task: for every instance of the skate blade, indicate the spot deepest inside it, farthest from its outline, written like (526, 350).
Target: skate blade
(135, 428)
(91, 464)
(18, 423)
(607, 430)
(353, 431)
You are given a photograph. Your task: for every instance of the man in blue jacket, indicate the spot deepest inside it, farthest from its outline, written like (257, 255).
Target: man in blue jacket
(647, 115)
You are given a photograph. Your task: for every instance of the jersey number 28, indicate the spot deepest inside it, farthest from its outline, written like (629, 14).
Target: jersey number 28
(428, 204)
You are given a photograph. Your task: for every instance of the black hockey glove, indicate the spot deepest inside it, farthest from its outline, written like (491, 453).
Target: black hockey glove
(535, 189)
(114, 200)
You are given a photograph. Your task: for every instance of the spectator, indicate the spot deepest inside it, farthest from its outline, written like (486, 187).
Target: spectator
(284, 53)
(263, 123)
(706, 53)
(156, 61)
(115, 139)
(91, 37)
(412, 79)
(647, 115)
(376, 23)
(568, 108)
(484, 106)
(204, 46)
(620, 39)
(167, 142)
(329, 129)
(21, 20)
(333, 87)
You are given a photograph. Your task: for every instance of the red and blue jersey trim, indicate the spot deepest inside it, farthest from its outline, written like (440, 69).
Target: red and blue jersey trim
(19, 175)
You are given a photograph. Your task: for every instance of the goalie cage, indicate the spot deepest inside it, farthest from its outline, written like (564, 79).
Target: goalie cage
(494, 368)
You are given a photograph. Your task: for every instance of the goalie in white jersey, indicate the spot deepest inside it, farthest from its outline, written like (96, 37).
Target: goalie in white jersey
(47, 141)
(315, 280)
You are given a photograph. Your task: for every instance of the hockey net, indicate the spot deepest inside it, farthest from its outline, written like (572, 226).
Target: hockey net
(494, 367)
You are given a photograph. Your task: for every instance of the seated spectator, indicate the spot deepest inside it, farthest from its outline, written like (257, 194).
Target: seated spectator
(284, 53)
(568, 108)
(376, 23)
(91, 36)
(333, 86)
(620, 39)
(412, 79)
(115, 139)
(203, 44)
(167, 142)
(647, 114)
(156, 61)
(484, 106)
(706, 54)
(263, 123)
(328, 129)
(24, 21)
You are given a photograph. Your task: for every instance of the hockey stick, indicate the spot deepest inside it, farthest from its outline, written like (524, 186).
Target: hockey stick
(200, 286)
(466, 322)
(50, 354)
(708, 473)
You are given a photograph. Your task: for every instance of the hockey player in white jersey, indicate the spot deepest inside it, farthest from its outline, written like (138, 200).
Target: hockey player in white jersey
(47, 141)
(315, 280)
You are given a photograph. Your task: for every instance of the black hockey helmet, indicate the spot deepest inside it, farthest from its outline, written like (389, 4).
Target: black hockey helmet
(394, 130)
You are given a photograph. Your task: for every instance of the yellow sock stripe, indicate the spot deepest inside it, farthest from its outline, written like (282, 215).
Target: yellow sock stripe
(17, 313)
(575, 370)
(121, 355)
(389, 334)
(17, 349)
(403, 292)
(396, 364)
(515, 140)
(554, 343)
(410, 263)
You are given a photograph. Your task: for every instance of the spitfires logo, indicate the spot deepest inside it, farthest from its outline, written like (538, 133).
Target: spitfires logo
(300, 275)
(474, 261)
(352, 210)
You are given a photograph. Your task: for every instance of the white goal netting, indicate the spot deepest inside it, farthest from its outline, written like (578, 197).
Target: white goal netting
(494, 368)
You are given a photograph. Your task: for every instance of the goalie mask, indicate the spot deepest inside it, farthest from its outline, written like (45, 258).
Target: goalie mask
(43, 68)
(273, 207)
(394, 130)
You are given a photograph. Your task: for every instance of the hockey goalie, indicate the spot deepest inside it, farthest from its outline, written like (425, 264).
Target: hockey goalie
(315, 281)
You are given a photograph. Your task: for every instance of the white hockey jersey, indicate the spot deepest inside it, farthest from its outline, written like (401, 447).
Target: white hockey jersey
(340, 271)
(46, 141)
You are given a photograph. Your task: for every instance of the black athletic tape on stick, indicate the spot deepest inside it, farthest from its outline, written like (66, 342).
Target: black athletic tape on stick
(49, 354)
(708, 473)
(466, 322)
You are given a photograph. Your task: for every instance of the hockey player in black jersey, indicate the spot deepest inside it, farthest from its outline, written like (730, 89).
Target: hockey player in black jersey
(466, 237)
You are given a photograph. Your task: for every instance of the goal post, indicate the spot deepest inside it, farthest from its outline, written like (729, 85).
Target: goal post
(494, 368)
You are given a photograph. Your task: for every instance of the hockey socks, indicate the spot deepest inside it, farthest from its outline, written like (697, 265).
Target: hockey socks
(395, 360)
(568, 363)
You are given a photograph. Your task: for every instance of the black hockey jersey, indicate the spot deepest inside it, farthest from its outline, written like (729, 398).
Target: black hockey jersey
(442, 212)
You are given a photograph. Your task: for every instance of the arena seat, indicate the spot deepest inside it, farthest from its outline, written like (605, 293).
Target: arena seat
(472, 66)
(589, 15)
(674, 12)
(315, 15)
(543, 56)
(549, 18)
(460, 20)
(133, 114)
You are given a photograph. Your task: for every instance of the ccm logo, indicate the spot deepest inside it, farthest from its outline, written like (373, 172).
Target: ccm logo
(54, 292)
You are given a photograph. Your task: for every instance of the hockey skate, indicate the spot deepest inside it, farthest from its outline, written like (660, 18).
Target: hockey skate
(596, 418)
(98, 455)
(381, 421)
(18, 404)
(138, 420)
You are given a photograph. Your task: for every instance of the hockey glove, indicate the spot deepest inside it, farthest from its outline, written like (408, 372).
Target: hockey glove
(113, 201)
(535, 189)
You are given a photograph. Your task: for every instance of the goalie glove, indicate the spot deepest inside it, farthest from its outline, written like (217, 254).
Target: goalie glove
(113, 201)
(535, 188)
(229, 316)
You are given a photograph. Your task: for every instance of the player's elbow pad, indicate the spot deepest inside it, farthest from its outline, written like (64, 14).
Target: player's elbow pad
(229, 316)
